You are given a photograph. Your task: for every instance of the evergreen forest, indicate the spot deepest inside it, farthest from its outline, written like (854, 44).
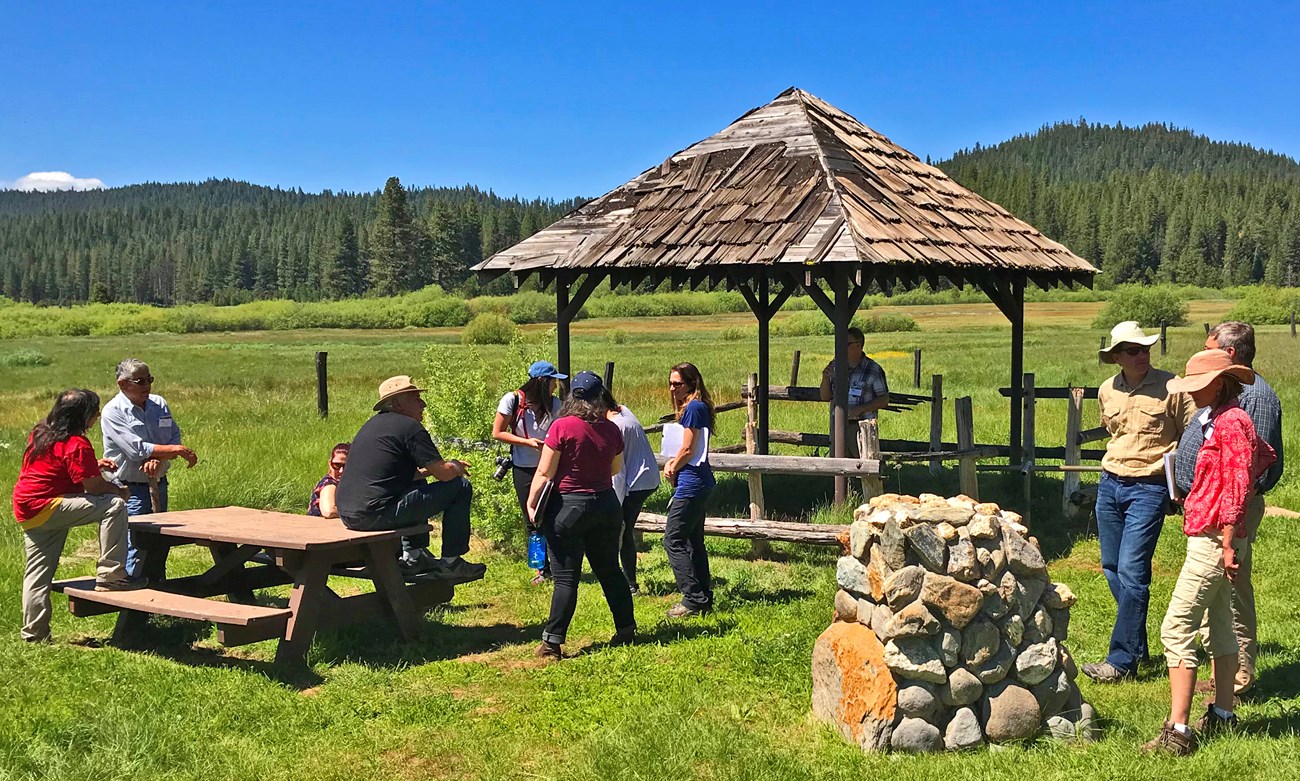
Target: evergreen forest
(1146, 204)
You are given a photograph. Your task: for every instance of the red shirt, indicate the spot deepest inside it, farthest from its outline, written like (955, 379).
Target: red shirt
(1227, 465)
(586, 452)
(55, 472)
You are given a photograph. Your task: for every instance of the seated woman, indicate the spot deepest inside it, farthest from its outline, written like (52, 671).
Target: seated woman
(322, 502)
(60, 486)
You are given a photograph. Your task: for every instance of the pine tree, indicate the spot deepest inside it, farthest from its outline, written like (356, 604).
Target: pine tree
(344, 274)
(393, 244)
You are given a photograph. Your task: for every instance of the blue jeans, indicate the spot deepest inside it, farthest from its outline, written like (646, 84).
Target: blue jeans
(140, 503)
(1130, 515)
(451, 498)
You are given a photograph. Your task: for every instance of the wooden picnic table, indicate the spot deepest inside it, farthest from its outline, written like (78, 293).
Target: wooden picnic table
(254, 549)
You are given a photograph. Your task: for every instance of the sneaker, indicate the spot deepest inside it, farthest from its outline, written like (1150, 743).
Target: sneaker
(461, 571)
(634, 588)
(417, 562)
(1105, 672)
(625, 636)
(549, 651)
(540, 578)
(1171, 741)
(124, 584)
(681, 610)
(1213, 724)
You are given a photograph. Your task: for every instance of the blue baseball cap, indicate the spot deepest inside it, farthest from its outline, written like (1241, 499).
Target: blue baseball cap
(586, 386)
(545, 369)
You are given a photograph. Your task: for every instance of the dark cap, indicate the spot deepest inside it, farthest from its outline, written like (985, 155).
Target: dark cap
(586, 386)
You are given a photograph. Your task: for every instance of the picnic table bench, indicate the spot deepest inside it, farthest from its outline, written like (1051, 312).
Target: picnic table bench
(253, 549)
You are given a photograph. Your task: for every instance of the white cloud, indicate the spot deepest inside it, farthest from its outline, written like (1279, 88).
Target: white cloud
(49, 181)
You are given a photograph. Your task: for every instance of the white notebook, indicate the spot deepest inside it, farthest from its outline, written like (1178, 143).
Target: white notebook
(674, 435)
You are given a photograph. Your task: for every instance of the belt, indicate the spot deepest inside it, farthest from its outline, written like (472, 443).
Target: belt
(133, 482)
(1148, 480)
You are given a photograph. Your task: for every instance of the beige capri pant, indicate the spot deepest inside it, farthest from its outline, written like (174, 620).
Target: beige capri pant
(1202, 595)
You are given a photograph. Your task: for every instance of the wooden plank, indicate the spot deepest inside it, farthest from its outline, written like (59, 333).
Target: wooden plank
(242, 525)
(148, 600)
(1073, 448)
(869, 447)
(968, 477)
(936, 421)
(1028, 447)
(1055, 393)
(789, 465)
(757, 505)
(805, 533)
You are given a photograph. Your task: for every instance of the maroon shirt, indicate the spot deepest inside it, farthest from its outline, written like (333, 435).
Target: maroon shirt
(586, 452)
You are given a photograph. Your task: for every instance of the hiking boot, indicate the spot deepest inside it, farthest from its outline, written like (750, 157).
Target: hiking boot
(548, 651)
(1171, 741)
(682, 610)
(417, 562)
(1213, 724)
(1105, 672)
(461, 571)
(624, 636)
(124, 584)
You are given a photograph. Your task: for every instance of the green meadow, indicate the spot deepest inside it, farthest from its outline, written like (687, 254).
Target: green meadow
(723, 697)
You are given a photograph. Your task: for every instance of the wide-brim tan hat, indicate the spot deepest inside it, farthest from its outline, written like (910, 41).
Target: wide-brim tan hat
(1127, 332)
(393, 386)
(1203, 367)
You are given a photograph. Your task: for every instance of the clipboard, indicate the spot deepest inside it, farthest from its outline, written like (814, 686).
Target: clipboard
(673, 437)
(1170, 483)
(548, 488)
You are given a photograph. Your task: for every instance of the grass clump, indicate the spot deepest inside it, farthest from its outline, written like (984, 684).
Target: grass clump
(24, 357)
(1150, 306)
(489, 328)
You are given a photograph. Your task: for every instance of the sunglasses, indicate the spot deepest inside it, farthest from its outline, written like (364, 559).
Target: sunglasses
(338, 464)
(675, 383)
(1139, 350)
(141, 381)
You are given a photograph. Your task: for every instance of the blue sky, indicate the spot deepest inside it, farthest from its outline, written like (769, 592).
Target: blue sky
(556, 99)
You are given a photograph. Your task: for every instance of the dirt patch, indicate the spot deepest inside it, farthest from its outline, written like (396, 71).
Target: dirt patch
(405, 764)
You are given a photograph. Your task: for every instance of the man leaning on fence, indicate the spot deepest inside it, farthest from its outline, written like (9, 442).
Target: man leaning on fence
(1144, 421)
(868, 390)
(142, 437)
(384, 485)
(1265, 411)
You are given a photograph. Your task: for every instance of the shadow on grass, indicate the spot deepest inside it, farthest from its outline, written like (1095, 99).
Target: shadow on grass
(671, 632)
(747, 593)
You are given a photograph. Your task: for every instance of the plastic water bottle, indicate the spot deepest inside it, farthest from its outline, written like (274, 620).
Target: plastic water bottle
(536, 550)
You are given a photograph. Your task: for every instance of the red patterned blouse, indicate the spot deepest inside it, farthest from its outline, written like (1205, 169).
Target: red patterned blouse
(1227, 466)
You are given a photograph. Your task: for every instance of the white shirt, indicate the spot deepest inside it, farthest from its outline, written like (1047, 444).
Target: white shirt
(527, 428)
(640, 471)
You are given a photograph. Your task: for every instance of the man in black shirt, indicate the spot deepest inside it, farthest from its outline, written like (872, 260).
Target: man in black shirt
(384, 485)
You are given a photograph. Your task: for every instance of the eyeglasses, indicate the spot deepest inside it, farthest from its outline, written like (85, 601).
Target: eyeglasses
(855, 344)
(1140, 349)
(141, 381)
(338, 464)
(675, 383)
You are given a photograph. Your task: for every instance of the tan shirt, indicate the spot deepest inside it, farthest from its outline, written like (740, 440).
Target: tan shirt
(1144, 423)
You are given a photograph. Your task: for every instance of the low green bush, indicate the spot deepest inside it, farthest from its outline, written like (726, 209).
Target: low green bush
(489, 328)
(617, 336)
(817, 324)
(1150, 306)
(1266, 306)
(736, 333)
(24, 357)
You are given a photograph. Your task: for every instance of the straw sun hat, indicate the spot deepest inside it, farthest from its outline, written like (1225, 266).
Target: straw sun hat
(1127, 332)
(393, 386)
(1203, 367)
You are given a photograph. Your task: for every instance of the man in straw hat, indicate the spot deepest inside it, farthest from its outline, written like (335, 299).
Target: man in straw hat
(1259, 401)
(384, 485)
(1230, 461)
(1144, 421)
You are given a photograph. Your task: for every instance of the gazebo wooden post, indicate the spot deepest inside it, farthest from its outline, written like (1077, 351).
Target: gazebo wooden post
(566, 309)
(1009, 297)
(758, 297)
(840, 310)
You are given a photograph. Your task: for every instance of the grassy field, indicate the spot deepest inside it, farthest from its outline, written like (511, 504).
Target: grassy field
(726, 697)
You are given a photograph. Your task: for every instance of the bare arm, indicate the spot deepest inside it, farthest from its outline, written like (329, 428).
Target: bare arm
(616, 465)
(501, 432)
(442, 471)
(876, 404)
(326, 504)
(547, 466)
(96, 484)
(826, 383)
(675, 464)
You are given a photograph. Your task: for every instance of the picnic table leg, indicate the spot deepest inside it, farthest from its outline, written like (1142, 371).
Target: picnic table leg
(132, 627)
(310, 578)
(223, 550)
(381, 561)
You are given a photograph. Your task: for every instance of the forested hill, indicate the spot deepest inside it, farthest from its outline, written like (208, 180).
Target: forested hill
(1150, 203)
(226, 241)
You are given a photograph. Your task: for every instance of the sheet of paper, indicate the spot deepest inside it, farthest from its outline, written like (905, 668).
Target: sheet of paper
(1169, 477)
(673, 437)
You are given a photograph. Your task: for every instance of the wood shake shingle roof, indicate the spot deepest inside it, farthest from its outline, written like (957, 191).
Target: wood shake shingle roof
(796, 181)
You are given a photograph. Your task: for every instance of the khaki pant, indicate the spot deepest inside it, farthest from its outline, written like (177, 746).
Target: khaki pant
(1202, 595)
(1243, 601)
(44, 545)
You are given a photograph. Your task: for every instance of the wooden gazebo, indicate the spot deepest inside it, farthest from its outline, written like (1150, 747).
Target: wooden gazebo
(795, 194)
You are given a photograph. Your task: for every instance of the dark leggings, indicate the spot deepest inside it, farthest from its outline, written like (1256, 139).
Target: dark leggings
(632, 504)
(684, 542)
(522, 476)
(578, 525)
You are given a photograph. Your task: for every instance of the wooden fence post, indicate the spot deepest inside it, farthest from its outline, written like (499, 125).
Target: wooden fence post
(1028, 445)
(322, 385)
(936, 421)
(967, 474)
(1073, 448)
(757, 508)
(1292, 323)
(1100, 346)
(916, 368)
(1164, 337)
(1207, 329)
(794, 370)
(609, 376)
(869, 448)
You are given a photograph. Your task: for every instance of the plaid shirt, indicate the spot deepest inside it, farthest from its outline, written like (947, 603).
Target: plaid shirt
(866, 383)
(1265, 411)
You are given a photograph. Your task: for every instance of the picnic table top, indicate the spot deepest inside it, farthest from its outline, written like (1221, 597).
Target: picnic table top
(246, 526)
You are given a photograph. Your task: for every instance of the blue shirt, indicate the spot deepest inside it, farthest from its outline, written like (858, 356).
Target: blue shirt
(130, 432)
(695, 480)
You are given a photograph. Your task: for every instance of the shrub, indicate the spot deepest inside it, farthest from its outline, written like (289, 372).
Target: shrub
(884, 323)
(24, 357)
(531, 307)
(440, 313)
(1266, 306)
(489, 328)
(1148, 305)
(617, 336)
(817, 324)
(735, 333)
